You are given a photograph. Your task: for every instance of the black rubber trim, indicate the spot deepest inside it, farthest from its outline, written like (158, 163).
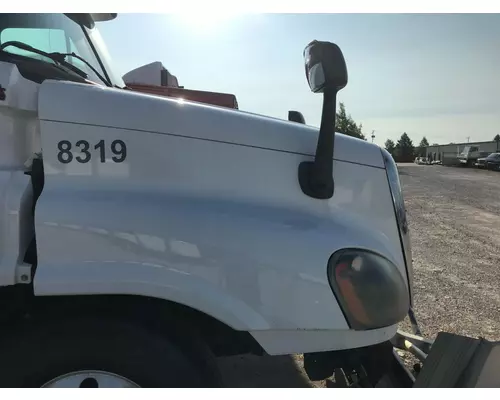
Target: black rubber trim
(205, 140)
(37, 183)
(96, 54)
(401, 241)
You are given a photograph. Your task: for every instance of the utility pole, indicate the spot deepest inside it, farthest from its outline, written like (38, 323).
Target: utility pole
(468, 138)
(373, 135)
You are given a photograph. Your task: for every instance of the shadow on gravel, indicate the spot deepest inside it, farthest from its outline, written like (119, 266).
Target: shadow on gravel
(262, 372)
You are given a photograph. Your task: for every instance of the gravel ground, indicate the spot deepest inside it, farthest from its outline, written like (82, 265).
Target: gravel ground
(454, 217)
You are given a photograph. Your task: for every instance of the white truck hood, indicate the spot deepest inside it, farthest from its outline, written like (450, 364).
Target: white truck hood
(117, 108)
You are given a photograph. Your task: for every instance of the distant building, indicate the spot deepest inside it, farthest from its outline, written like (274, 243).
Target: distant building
(453, 149)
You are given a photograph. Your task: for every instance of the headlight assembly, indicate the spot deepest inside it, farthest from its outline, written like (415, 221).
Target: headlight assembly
(369, 288)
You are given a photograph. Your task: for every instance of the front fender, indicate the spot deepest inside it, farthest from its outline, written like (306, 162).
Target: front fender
(216, 256)
(146, 279)
(191, 216)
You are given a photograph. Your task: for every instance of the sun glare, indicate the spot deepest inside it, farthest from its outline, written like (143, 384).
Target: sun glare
(204, 22)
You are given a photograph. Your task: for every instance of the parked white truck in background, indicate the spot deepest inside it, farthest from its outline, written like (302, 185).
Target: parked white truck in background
(141, 237)
(470, 154)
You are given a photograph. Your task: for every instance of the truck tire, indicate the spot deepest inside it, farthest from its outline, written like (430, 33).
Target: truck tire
(94, 353)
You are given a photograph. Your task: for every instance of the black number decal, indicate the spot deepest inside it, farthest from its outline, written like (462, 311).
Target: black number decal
(64, 156)
(102, 151)
(119, 148)
(84, 146)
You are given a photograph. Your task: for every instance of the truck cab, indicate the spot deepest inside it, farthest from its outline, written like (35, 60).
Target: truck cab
(469, 155)
(140, 237)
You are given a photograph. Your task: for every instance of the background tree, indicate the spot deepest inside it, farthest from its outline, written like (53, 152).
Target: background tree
(346, 125)
(421, 147)
(390, 146)
(497, 139)
(405, 150)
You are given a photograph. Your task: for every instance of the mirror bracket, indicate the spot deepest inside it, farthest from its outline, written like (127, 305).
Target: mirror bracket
(316, 177)
(316, 190)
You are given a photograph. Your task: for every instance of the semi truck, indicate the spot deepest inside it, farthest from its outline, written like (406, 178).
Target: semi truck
(141, 238)
(470, 155)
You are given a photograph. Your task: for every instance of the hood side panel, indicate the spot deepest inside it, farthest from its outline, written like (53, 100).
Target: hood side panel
(136, 111)
(203, 223)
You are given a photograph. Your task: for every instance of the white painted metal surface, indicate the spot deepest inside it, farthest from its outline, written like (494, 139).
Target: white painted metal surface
(279, 342)
(154, 114)
(19, 136)
(206, 211)
(15, 223)
(19, 140)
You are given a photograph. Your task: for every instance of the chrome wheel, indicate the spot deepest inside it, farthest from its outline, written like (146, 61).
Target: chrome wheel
(90, 379)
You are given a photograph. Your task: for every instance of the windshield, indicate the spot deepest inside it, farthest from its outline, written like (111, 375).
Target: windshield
(58, 33)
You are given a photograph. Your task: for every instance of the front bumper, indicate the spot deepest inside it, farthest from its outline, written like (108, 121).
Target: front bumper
(449, 361)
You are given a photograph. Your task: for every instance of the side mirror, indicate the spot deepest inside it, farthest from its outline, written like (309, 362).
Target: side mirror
(296, 116)
(325, 67)
(326, 73)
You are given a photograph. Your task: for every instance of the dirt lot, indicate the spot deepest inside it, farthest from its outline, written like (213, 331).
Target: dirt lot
(454, 216)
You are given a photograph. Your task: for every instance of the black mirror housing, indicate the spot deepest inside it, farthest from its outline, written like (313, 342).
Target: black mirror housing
(325, 67)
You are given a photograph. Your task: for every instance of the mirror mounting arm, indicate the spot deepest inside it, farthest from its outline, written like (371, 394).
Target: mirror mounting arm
(316, 177)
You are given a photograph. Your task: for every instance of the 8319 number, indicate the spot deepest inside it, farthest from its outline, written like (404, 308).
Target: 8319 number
(65, 155)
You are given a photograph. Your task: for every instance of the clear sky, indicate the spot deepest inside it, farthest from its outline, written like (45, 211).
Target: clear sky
(433, 75)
